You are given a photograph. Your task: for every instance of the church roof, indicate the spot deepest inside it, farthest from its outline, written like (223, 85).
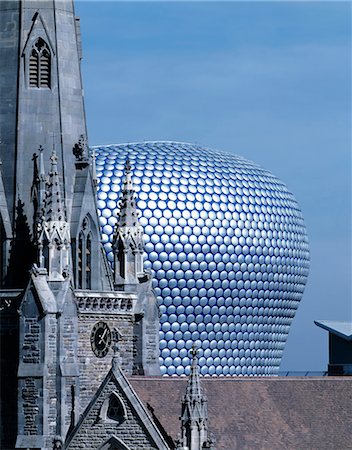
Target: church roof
(260, 413)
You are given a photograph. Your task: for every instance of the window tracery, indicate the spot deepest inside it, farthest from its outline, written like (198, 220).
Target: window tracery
(40, 65)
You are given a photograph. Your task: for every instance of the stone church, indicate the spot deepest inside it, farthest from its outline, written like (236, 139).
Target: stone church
(79, 341)
(72, 329)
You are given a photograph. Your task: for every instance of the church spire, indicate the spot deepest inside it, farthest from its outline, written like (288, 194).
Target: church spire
(194, 389)
(54, 207)
(194, 415)
(128, 216)
(53, 229)
(128, 237)
(38, 188)
(42, 181)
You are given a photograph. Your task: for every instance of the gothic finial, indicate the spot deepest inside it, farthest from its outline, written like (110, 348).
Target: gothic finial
(128, 184)
(193, 386)
(194, 353)
(42, 174)
(128, 215)
(53, 159)
(128, 165)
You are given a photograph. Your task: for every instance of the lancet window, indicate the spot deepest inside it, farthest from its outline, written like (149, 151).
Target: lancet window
(84, 256)
(40, 65)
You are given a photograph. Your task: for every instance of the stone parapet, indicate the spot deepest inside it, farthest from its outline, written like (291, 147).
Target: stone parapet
(106, 302)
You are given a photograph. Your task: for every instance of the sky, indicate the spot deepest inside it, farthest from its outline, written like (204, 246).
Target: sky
(270, 81)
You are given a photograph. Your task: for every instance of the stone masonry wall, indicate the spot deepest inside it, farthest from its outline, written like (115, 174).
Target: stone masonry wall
(132, 432)
(50, 381)
(93, 369)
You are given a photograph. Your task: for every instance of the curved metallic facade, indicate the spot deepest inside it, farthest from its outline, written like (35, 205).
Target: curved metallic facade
(227, 247)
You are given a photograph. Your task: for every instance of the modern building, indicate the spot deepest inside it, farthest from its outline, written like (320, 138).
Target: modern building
(79, 335)
(227, 248)
(340, 346)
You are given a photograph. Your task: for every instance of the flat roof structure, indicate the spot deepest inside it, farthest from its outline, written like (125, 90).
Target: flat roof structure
(341, 329)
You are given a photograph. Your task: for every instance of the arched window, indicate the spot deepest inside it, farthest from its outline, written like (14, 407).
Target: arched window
(40, 65)
(89, 262)
(80, 261)
(113, 409)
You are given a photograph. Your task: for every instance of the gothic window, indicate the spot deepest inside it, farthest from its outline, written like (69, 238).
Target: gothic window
(113, 409)
(89, 262)
(40, 65)
(84, 256)
(80, 261)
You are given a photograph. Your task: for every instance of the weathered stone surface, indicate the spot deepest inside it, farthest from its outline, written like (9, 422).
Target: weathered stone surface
(137, 430)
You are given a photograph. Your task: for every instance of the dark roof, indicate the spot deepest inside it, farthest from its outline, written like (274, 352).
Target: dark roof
(261, 413)
(341, 329)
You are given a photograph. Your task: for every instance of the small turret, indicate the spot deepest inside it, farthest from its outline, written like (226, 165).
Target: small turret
(53, 229)
(128, 238)
(194, 414)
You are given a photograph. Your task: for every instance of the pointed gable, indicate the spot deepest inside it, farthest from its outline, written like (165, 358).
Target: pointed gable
(116, 419)
(38, 29)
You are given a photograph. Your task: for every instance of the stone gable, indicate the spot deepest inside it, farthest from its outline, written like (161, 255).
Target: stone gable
(132, 428)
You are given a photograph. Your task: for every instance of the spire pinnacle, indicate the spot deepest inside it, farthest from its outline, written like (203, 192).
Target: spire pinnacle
(128, 185)
(128, 216)
(53, 159)
(54, 208)
(52, 228)
(42, 174)
(194, 389)
(42, 180)
(128, 237)
(194, 414)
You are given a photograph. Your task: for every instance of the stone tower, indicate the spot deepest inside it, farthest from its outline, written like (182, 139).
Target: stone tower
(48, 387)
(42, 105)
(61, 311)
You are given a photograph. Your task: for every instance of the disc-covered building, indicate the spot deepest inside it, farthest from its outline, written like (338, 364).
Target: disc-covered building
(227, 247)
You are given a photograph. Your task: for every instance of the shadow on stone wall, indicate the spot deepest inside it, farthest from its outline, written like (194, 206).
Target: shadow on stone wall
(22, 251)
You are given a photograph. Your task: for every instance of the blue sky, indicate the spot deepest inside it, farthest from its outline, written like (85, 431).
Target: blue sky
(270, 81)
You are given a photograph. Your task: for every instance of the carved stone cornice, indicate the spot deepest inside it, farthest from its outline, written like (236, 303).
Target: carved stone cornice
(105, 302)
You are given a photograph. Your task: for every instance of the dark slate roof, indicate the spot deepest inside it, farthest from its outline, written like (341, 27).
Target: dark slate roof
(341, 329)
(260, 413)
